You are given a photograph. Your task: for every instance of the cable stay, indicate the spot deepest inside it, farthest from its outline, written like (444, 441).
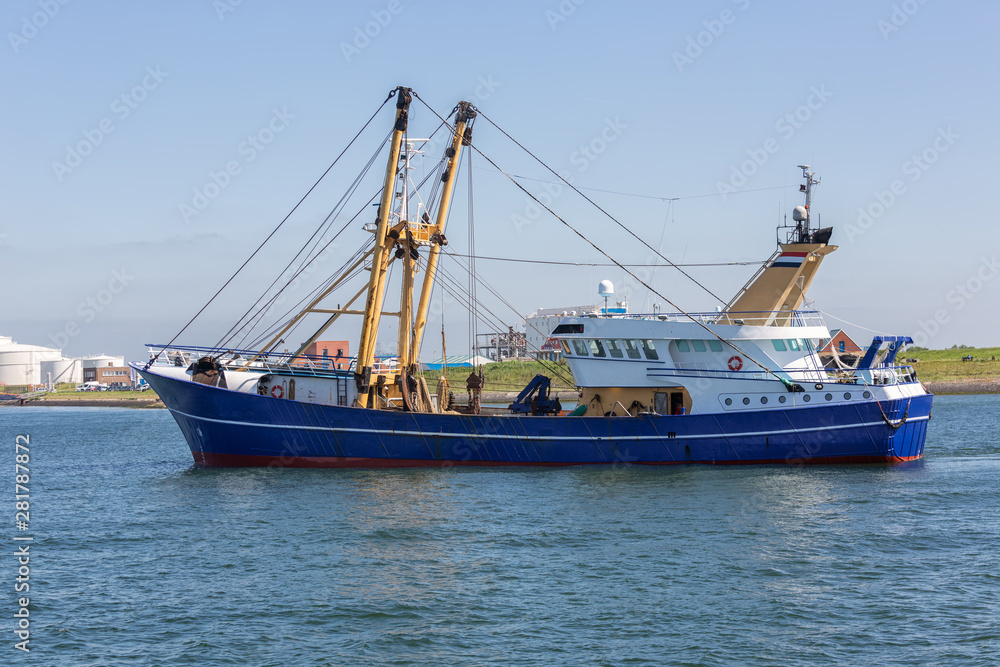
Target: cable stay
(274, 231)
(599, 208)
(766, 369)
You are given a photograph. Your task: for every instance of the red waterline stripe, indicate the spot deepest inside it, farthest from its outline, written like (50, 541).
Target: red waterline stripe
(215, 460)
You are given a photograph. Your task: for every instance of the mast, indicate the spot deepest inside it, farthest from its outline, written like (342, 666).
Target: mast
(407, 251)
(780, 286)
(803, 214)
(463, 137)
(381, 255)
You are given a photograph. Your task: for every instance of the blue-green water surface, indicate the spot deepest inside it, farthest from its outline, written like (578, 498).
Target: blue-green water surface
(141, 558)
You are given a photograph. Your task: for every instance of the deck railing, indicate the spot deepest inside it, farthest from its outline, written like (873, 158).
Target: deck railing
(270, 362)
(790, 318)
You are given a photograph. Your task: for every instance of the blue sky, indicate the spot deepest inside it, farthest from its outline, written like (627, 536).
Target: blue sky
(894, 104)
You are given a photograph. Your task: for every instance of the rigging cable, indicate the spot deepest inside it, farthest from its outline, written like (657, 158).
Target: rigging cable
(273, 232)
(598, 207)
(308, 258)
(452, 285)
(764, 368)
(311, 257)
(473, 302)
(634, 194)
(557, 263)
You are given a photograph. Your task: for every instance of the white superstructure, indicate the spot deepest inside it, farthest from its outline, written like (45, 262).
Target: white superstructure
(714, 363)
(539, 325)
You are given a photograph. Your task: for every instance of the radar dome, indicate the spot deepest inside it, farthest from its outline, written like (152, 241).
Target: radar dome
(606, 288)
(800, 213)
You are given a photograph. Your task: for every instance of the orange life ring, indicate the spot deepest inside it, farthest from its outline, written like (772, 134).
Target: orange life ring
(735, 363)
(277, 391)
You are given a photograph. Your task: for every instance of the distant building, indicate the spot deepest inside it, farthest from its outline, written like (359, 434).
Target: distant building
(35, 365)
(96, 360)
(840, 343)
(500, 345)
(112, 376)
(337, 351)
(551, 351)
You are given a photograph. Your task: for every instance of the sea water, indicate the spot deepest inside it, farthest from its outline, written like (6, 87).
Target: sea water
(138, 557)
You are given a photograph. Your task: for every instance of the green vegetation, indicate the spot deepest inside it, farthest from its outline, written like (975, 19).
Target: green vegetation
(73, 395)
(947, 364)
(506, 375)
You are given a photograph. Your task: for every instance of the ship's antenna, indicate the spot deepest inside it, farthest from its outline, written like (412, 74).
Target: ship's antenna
(804, 230)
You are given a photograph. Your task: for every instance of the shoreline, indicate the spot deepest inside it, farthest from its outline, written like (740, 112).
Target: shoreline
(139, 403)
(968, 386)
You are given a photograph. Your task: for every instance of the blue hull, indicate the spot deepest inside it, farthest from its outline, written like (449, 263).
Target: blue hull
(228, 428)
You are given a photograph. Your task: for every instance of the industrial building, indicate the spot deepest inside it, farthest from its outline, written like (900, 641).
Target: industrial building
(22, 364)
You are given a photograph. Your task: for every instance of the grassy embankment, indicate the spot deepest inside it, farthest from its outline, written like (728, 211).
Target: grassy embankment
(505, 376)
(67, 394)
(940, 365)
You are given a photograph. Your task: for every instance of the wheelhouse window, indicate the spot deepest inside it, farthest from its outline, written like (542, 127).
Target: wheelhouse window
(715, 345)
(631, 349)
(779, 345)
(614, 349)
(596, 348)
(682, 346)
(793, 345)
(580, 347)
(650, 350)
(699, 345)
(565, 347)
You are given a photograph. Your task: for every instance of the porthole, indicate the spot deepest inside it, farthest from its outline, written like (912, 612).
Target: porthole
(847, 396)
(807, 398)
(729, 401)
(829, 397)
(867, 394)
(819, 387)
(746, 400)
(781, 399)
(763, 400)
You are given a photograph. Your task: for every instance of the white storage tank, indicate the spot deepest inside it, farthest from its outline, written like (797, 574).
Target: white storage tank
(62, 370)
(21, 364)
